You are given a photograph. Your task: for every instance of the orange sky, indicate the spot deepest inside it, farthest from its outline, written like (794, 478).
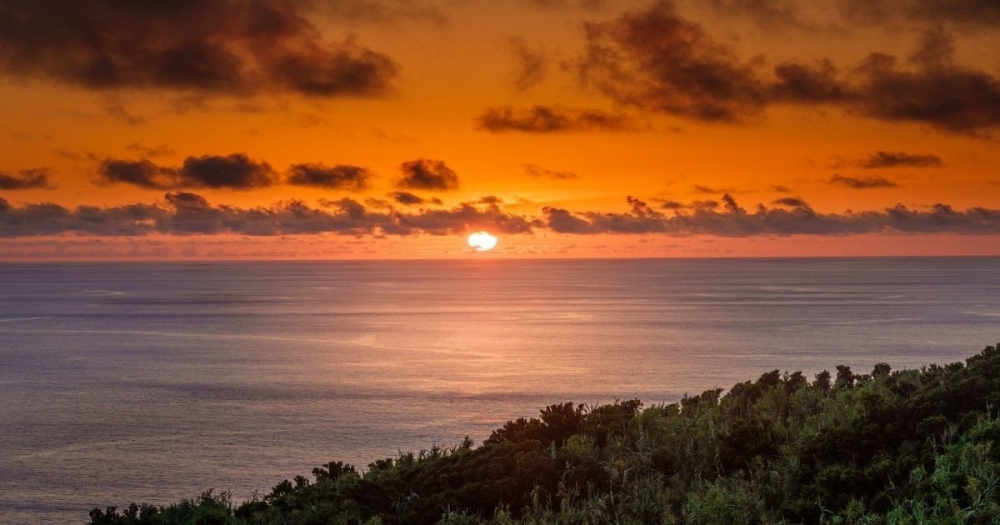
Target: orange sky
(569, 128)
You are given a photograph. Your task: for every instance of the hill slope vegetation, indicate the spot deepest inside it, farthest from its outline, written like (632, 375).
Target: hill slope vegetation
(911, 446)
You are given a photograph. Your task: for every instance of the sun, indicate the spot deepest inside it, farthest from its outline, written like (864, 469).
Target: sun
(482, 241)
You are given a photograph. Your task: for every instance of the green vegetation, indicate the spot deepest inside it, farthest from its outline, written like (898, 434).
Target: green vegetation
(893, 447)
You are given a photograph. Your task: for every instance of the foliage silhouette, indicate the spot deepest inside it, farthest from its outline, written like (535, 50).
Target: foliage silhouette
(889, 447)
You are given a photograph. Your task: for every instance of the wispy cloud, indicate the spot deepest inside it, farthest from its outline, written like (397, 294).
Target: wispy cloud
(863, 183)
(551, 119)
(540, 172)
(896, 159)
(25, 180)
(530, 64)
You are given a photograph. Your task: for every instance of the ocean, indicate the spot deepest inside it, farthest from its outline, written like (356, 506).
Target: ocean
(152, 382)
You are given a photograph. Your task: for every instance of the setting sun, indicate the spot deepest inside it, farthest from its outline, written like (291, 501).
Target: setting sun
(482, 241)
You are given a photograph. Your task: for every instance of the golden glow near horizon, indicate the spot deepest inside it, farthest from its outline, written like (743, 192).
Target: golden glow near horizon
(482, 241)
(571, 128)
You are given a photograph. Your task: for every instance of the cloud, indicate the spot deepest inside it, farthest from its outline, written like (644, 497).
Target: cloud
(767, 13)
(816, 83)
(464, 218)
(540, 172)
(549, 119)
(671, 204)
(793, 202)
(863, 183)
(116, 110)
(531, 65)
(566, 4)
(142, 173)
(229, 47)
(734, 221)
(151, 152)
(376, 11)
(185, 213)
(339, 177)
(700, 188)
(781, 189)
(887, 159)
(427, 174)
(409, 199)
(235, 171)
(25, 180)
(658, 61)
(940, 94)
(982, 13)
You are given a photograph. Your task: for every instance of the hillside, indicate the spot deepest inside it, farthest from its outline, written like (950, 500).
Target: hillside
(911, 446)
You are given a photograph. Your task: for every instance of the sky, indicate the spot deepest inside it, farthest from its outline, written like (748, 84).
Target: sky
(309, 129)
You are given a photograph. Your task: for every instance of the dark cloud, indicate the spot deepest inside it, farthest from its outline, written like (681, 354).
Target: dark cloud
(704, 205)
(657, 60)
(530, 65)
(141, 173)
(339, 177)
(566, 4)
(377, 11)
(734, 221)
(549, 119)
(781, 189)
(184, 213)
(25, 180)
(235, 171)
(231, 47)
(794, 202)
(670, 204)
(427, 174)
(409, 199)
(816, 83)
(931, 89)
(888, 159)
(540, 172)
(947, 96)
(767, 13)
(982, 13)
(862, 183)
(464, 218)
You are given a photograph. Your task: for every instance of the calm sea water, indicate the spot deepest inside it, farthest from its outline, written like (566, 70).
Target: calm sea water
(154, 381)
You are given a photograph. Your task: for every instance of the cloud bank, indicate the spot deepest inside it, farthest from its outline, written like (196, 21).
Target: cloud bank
(185, 213)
